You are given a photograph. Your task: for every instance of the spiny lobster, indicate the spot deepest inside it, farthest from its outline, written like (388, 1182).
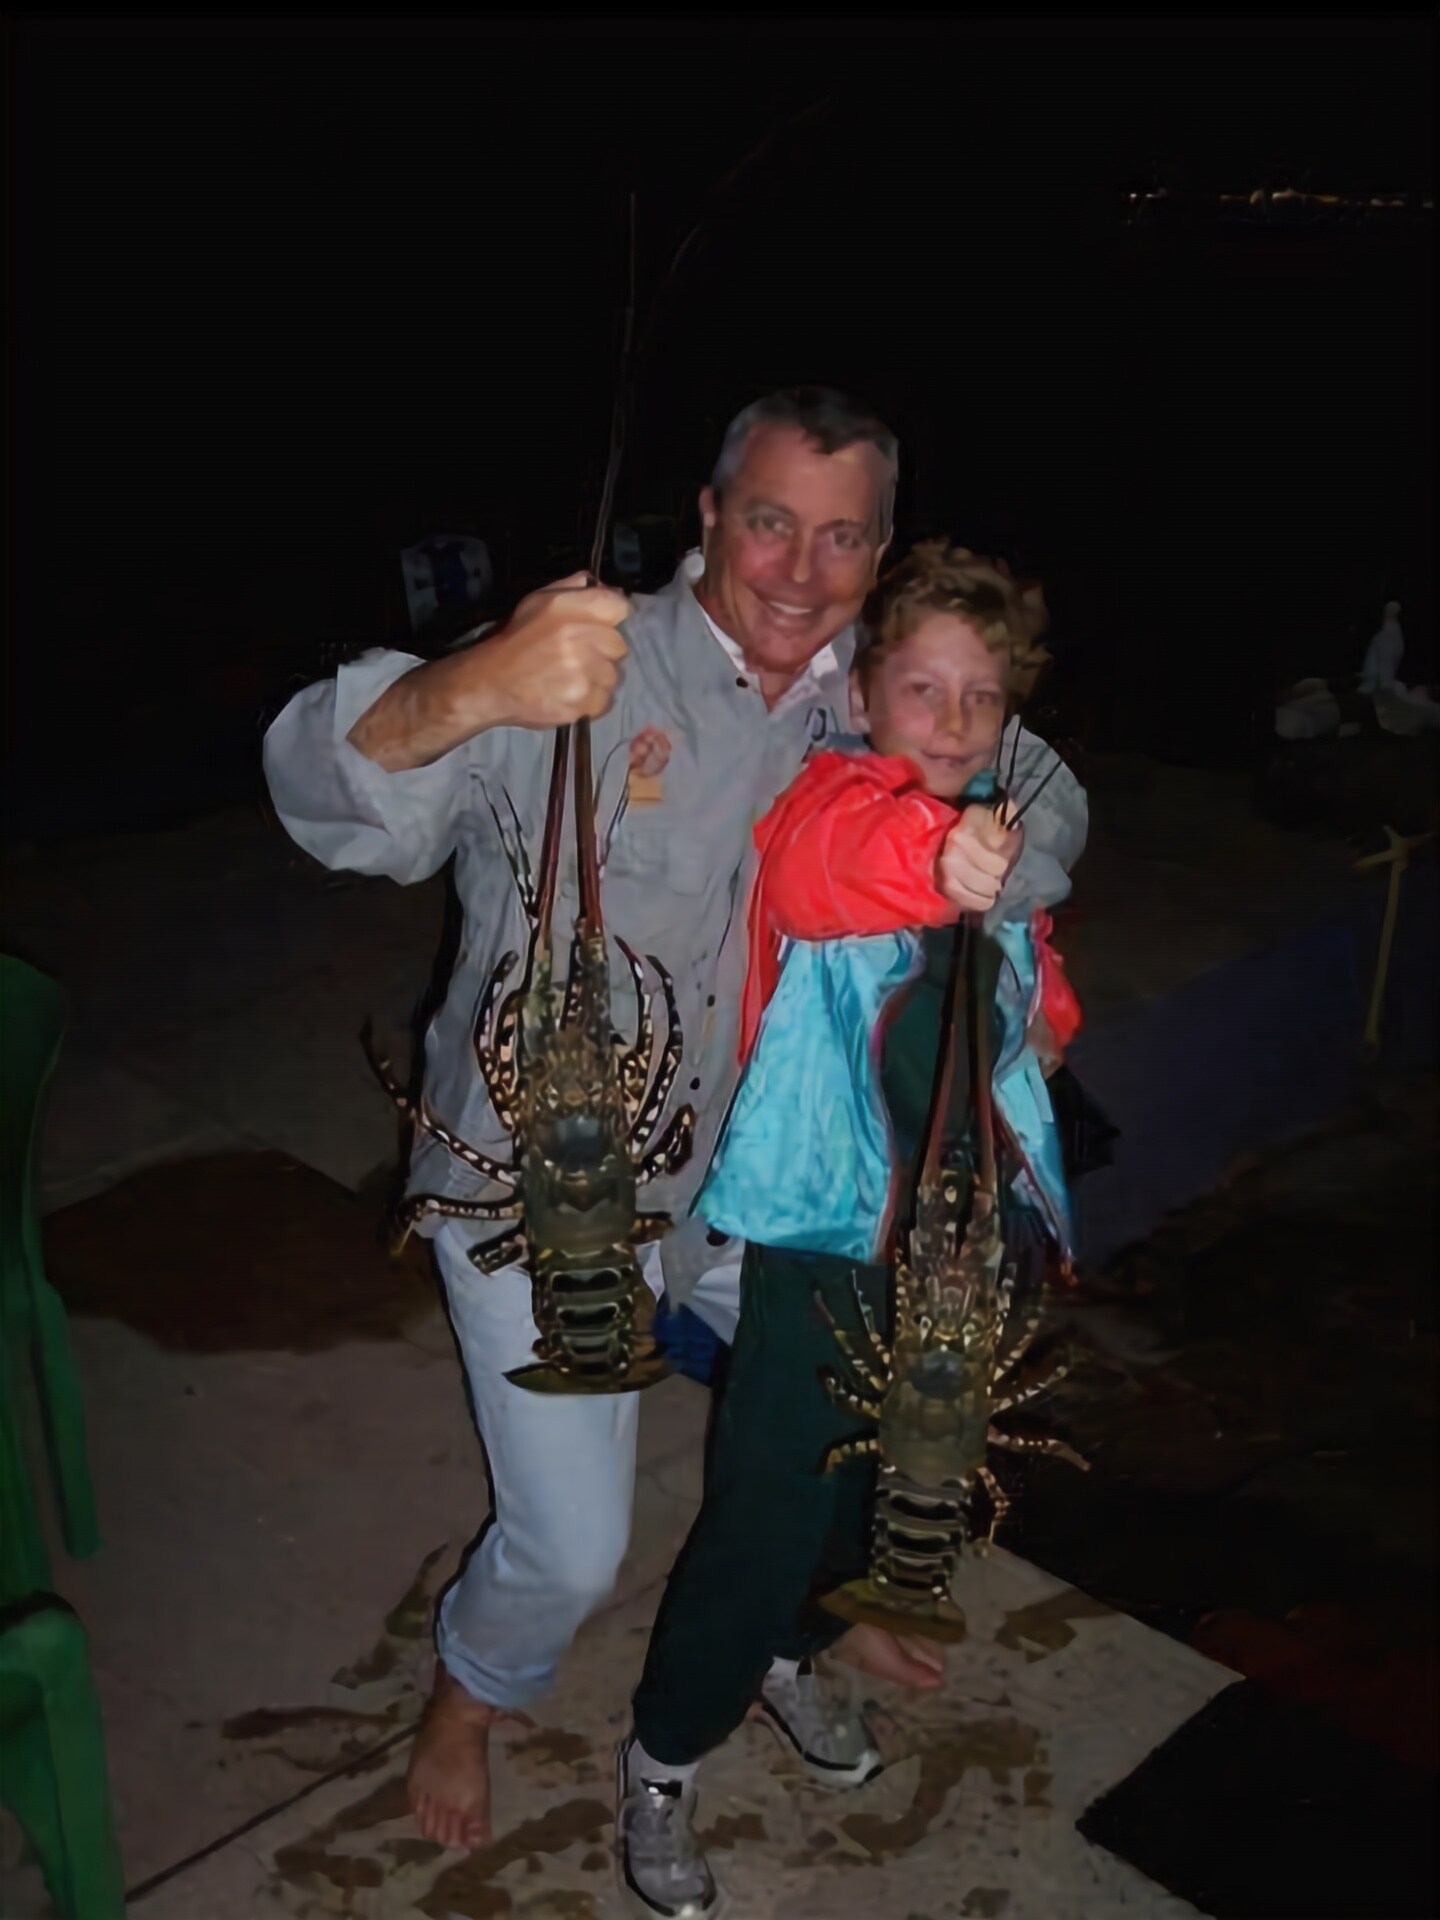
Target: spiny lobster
(581, 1105)
(936, 1392)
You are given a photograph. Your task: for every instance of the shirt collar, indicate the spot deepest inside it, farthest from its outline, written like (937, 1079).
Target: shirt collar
(824, 665)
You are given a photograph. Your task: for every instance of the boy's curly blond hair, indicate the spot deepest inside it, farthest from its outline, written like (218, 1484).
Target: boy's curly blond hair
(935, 577)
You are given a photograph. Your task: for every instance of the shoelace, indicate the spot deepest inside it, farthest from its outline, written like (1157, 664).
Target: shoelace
(656, 1820)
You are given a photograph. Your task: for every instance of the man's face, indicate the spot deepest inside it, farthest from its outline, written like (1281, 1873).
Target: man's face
(793, 548)
(939, 699)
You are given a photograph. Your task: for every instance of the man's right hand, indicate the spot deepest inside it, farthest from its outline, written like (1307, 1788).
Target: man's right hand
(556, 660)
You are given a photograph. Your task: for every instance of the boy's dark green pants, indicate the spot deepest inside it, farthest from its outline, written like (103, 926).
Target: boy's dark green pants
(774, 1533)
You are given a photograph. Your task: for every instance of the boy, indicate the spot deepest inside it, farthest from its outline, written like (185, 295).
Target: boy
(839, 1041)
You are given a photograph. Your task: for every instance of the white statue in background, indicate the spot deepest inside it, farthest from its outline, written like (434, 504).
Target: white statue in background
(1310, 709)
(1398, 708)
(1384, 654)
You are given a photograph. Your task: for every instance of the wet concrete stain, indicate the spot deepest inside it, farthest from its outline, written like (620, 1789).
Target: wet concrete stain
(1037, 1787)
(410, 1620)
(595, 1862)
(563, 1903)
(468, 1888)
(412, 1853)
(1047, 1624)
(554, 1757)
(985, 1903)
(729, 1829)
(312, 1858)
(351, 1872)
(236, 1253)
(315, 1740)
(999, 1747)
(378, 1664)
(263, 1723)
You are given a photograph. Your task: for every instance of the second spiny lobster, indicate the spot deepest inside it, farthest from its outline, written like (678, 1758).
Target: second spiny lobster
(953, 1370)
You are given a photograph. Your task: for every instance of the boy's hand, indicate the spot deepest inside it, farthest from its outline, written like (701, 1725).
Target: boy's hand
(976, 859)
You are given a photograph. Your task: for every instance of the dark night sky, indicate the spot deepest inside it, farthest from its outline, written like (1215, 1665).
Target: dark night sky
(282, 296)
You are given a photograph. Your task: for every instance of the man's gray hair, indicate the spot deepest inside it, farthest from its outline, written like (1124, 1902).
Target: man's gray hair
(825, 417)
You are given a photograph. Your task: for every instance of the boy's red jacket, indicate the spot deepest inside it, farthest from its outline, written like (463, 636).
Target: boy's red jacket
(850, 847)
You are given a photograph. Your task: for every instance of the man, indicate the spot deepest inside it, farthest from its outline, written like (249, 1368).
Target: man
(705, 698)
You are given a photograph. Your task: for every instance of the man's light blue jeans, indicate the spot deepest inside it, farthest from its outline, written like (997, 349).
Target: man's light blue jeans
(562, 1476)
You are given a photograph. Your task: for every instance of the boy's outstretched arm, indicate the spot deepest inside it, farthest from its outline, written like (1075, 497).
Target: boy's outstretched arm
(849, 850)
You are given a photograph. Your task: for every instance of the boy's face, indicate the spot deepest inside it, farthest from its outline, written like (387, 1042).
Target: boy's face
(939, 699)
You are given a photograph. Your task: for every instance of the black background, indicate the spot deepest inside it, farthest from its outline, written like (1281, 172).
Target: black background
(284, 297)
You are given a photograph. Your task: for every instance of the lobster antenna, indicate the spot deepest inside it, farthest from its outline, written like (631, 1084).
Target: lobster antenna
(978, 1034)
(1015, 746)
(1036, 792)
(962, 1018)
(586, 852)
(1000, 747)
(945, 1078)
(550, 845)
(587, 856)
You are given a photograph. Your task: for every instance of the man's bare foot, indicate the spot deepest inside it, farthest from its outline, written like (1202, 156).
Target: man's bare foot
(907, 1659)
(449, 1776)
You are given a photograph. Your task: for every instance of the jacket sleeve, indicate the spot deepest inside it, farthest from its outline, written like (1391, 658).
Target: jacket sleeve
(346, 811)
(862, 862)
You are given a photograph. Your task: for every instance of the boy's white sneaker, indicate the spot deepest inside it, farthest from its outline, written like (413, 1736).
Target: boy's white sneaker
(820, 1722)
(656, 1853)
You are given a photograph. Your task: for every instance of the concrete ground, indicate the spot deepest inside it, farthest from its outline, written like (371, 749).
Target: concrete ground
(283, 1491)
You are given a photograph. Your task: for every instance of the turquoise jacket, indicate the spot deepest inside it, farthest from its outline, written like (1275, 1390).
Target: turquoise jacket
(808, 1156)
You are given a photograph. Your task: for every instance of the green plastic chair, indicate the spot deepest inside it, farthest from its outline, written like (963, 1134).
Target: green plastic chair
(32, 1318)
(52, 1745)
(52, 1758)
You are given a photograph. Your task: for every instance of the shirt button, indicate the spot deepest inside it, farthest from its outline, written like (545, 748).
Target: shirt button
(741, 681)
(694, 1086)
(710, 1000)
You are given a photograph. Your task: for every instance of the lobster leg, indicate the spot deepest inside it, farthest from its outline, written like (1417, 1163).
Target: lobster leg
(650, 1226)
(635, 1061)
(381, 1070)
(1028, 1392)
(845, 1396)
(470, 1156)
(999, 1504)
(1037, 1443)
(431, 1206)
(673, 1151)
(502, 1081)
(871, 1361)
(670, 1053)
(503, 1252)
(836, 1456)
(500, 1077)
(1017, 1353)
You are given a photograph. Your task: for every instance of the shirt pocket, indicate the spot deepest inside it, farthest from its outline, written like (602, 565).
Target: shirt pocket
(653, 852)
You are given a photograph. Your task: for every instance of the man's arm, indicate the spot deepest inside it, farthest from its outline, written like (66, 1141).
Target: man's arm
(371, 771)
(556, 660)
